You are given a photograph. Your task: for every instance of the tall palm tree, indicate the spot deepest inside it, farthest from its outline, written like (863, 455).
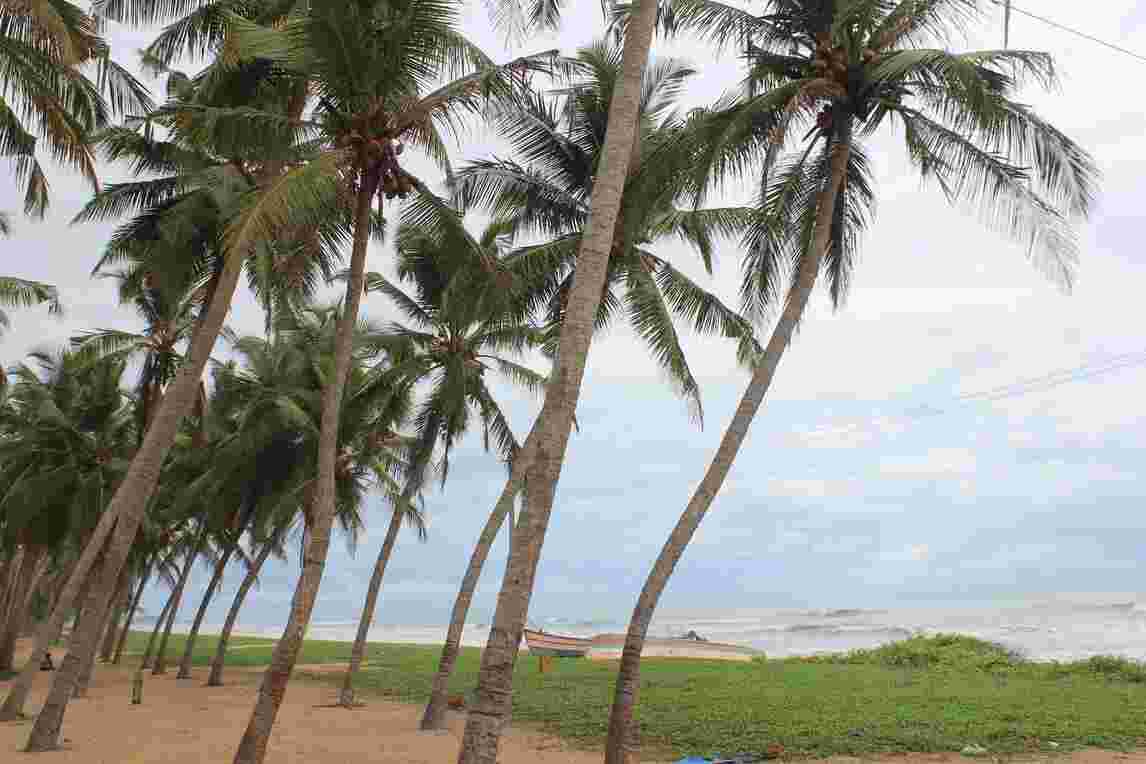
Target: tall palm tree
(371, 62)
(169, 321)
(460, 328)
(544, 450)
(67, 431)
(47, 99)
(211, 173)
(822, 76)
(559, 139)
(284, 372)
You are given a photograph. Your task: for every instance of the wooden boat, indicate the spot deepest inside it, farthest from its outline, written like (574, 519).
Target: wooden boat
(609, 647)
(556, 645)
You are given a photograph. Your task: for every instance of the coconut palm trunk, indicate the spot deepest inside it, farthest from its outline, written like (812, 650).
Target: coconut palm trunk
(495, 681)
(31, 567)
(160, 666)
(11, 578)
(346, 695)
(212, 587)
(623, 736)
(434, 716)
(131, 611)
(117, 614)
(46, 635)
(85, 676)
(149, 651)
(253, 746)
(129, 504)
(215, 678)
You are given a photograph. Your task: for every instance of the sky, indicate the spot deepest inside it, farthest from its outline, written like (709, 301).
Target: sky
(894, 461)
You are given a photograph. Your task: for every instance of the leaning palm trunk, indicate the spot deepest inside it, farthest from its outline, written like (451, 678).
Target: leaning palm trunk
(623, 733)
(434, 716)
(216, 578)
(31, 567)
(160, 666)
(13, 570)
(46, 635)
(346, 695)
(131, 610)
(130, 502)
(145, 662)
(253, 746)
(495, 681)
(117, 614)
(85, 675)
(215, 678)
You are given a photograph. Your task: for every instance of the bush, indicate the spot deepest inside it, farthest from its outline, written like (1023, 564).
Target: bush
(940, 651)
(1114, 667)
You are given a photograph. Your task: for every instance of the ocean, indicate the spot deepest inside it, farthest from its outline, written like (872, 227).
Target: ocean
(1063, 628)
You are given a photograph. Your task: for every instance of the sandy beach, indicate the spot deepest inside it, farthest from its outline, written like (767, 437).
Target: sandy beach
(181, 721)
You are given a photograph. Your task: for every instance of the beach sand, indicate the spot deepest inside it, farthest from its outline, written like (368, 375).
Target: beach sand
(183, 722)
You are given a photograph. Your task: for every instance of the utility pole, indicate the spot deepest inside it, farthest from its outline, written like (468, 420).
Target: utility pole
(1006, 24)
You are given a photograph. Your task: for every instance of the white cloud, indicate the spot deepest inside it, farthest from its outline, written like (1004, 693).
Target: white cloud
(934, 463)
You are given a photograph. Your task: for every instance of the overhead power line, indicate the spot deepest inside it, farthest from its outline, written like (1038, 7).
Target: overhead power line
(1014, 389)
(1008, 7)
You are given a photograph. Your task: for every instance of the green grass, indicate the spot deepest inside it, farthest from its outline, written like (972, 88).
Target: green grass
(923, 694)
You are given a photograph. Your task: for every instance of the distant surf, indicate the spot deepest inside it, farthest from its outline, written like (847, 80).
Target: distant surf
(1066, 627)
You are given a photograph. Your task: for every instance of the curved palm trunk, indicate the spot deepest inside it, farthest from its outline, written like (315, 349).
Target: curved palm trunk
(434, 716)
(623, 737)
(253, 746)
(117, 614)
(131, 610)
(18, 694)
(346, 695)
(85, 676)
(160, 666)
(129, 504)
(215, 678)
(32, 565)
(216, 578)
(145, 662)
(12, 570)
(495, 681)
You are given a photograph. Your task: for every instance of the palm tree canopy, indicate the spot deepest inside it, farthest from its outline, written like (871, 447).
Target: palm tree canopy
(47, 101)
(546, 194)
(825, 71)
(458, 324)
(22, 293)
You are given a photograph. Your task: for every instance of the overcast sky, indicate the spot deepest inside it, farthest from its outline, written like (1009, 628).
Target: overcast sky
(874, 474)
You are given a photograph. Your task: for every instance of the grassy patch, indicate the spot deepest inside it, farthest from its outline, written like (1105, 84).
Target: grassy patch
(922, 694)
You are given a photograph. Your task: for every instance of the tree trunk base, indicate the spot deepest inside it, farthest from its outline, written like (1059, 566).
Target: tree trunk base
(434, 719)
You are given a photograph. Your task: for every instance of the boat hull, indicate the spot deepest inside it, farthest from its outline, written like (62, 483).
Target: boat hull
(556, 645)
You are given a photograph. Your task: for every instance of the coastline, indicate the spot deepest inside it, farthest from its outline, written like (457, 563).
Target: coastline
(923, 700)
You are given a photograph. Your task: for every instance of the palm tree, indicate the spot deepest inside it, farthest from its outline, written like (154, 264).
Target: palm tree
(370, 62)
(169, 321)
(460, 329)
(561, 139)
(544, 450)
(841, 71)
(21, 293)
(47, 100)
(206, 182)
(67, 431)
